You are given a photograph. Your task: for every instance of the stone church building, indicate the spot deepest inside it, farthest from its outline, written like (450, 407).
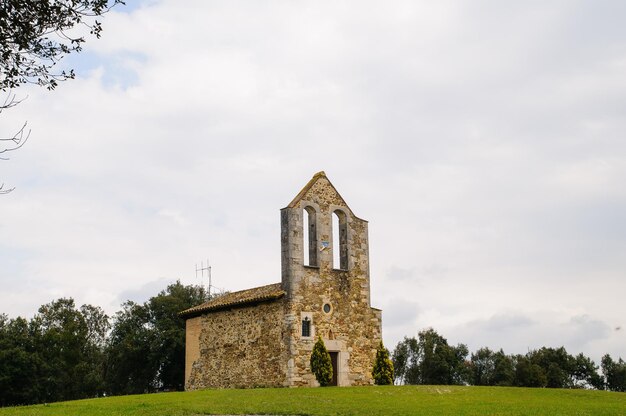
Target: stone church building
(263, 337)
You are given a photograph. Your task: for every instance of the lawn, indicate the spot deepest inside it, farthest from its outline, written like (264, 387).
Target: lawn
(388, 400)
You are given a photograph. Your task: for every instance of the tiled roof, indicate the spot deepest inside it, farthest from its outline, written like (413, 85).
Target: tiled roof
(241, 298)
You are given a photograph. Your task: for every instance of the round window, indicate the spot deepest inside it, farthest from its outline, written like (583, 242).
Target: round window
(326, 308)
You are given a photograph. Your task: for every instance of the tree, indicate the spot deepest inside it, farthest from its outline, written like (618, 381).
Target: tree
(57, 355)
(504, 369)
(66, 353)
(146, 349)
(614, 373)
(169, 342)
(321, 364)
(383, 367)
(585, 373)
(459, 365)
(529, 374)
(70, 344)
(430, 360)
(441, 363)
(36, 34)
(482, 367)
(130, 365)
(556, 363)
(405, 361)
(19, 363)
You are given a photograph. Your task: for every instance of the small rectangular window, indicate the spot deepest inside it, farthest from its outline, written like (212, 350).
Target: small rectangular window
(306, 327)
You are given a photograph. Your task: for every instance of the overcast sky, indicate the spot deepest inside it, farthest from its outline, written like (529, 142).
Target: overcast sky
(484, 141)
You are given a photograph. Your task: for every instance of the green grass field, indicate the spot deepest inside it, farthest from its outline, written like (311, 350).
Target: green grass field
(389, 400)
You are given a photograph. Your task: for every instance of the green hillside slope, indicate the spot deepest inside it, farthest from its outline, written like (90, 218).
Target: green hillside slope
(388, 400)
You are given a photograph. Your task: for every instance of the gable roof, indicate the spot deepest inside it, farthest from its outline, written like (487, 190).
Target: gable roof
(309, 185)
(303, 191)
(240, 298)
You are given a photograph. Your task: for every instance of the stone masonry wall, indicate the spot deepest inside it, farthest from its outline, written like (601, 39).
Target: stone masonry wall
(193, 328)
(240, 347)
(352, 328)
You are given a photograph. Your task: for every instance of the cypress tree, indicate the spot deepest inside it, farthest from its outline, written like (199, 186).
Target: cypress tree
(383, 367)
(321, 365)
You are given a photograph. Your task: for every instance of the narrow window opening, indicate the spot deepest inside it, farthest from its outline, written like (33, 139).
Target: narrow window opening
(306, 327)
(335, 240)
(340, 240)
(305, 238)
(309, 225)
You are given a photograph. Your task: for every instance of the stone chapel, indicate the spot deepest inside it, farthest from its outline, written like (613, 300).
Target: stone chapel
(263, 337)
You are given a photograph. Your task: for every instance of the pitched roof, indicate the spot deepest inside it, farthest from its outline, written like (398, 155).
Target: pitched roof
(240, 298)
(303, 191)
(294, 202)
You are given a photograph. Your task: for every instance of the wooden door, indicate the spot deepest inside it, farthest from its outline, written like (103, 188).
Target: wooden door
(334, 356)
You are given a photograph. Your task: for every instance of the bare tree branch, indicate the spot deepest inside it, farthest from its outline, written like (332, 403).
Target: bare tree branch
(18, 140)
(14, 142)
(5, 191)
(10, 101)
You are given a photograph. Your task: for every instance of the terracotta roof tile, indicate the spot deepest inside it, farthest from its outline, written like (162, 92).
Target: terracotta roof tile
(243, 297)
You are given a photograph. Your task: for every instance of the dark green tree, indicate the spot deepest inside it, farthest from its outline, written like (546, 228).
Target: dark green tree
(146, 349)
(441, 363)
(585, 373)
(504, 369)
(556, 363)
(131, 367)
(405, 359)
(430, 360)
(58, 355)
(528, 374)
(169, 343)
(488, 368)
(321, 365)
(69, 342)
(614, 373)
(482, 367)
(19, 364)
(383, 367)
(66, 353)
(460, 364)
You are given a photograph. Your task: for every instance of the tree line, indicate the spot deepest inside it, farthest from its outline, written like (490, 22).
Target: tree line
(429, 359)
(67, 352)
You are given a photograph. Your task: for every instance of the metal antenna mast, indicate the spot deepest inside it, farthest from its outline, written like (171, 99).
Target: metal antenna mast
(202, 269)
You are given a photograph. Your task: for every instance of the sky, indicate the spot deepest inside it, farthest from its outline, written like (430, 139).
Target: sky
(483, 141)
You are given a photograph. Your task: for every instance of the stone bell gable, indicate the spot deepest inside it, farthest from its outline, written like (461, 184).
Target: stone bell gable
(308, 238)
(325, 275)
(264, 336)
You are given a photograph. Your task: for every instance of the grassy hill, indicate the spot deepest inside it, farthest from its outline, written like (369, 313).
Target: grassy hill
(389, 400)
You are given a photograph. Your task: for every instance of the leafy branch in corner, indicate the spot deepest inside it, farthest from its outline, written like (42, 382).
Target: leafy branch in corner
(36, 34)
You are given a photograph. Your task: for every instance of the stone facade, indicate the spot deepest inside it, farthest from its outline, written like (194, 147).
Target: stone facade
(264, 336)
(247, 351)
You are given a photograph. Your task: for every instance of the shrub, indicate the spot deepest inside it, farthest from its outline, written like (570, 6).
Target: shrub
(383, 367)
(321, 365)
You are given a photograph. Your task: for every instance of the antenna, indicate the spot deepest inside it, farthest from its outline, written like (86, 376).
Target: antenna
(202, 269)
